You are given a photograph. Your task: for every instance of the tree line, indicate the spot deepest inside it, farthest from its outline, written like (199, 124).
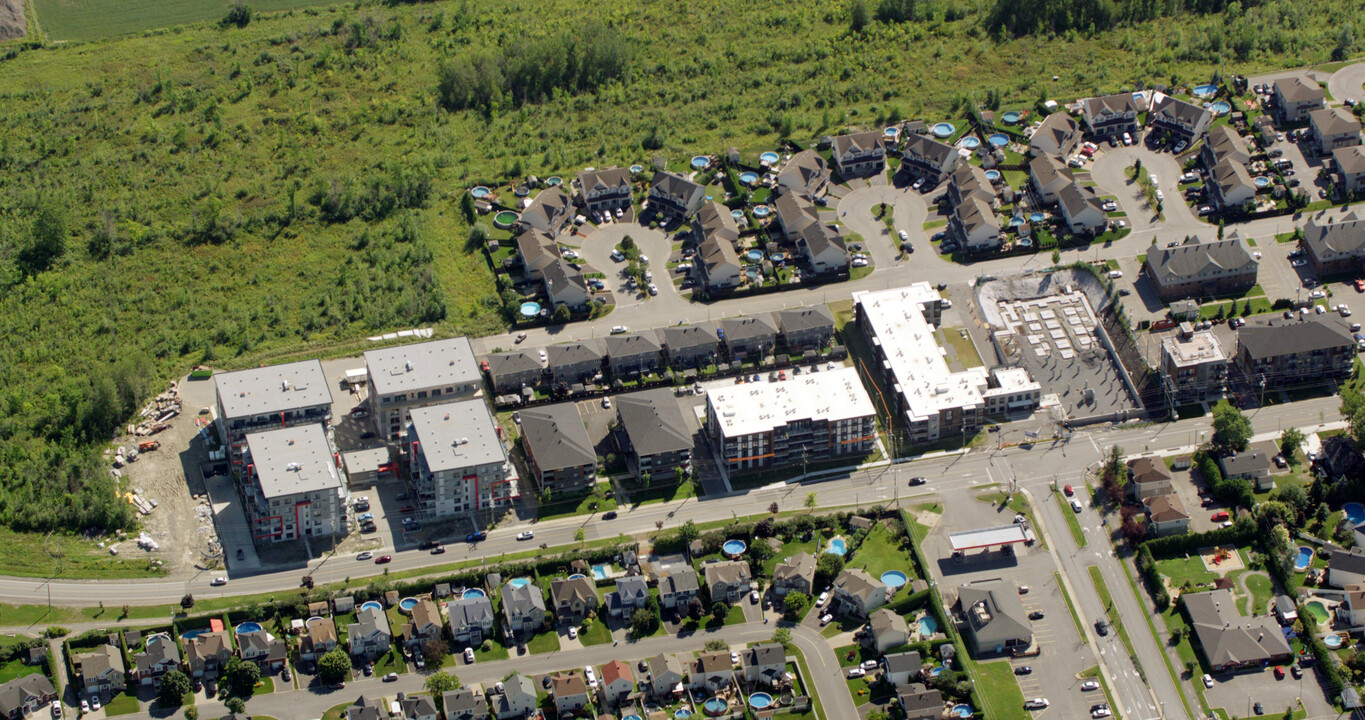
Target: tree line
(1030, 17)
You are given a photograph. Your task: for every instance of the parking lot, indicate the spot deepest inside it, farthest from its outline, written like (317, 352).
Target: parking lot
(1238, 693)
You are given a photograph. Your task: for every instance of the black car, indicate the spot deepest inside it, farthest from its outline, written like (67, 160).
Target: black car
(479, 536)
(1036, 615)
(1101, 627)
(1259, 710)
(609, 515)
(1023, 670)
(918, 481)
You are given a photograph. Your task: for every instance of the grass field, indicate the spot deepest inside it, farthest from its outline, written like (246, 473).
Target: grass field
(25, 554)
(881, 552)
(543, 642)
(17, 668)
(597, 634)
(998, 691)
(91, 19)
(121, 704)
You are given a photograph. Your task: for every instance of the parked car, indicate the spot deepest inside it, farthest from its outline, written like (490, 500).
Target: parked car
(469, 655)
(1036, 615)
(1090, 685)
(825, 619)
(56, 708)
(821, 600)
(1023, 670)
(1104, 712)
(1067, 489)
(1076, 505)
(391, 677)
(1036, 704)
(1208, 680)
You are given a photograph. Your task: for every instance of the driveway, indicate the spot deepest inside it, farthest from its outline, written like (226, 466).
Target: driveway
(909, 212)
(1348, 82)
(1110, 173)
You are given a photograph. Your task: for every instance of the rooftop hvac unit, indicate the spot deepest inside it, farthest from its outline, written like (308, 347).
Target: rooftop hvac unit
(408, 366)
(293, 466)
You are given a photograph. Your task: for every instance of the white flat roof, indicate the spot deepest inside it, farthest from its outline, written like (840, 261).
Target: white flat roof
(272, 389)
(293, 460)
(1200, 347)
(457, 435)
(422, 365)
(896, 317)
(758, 407)
(987, 537)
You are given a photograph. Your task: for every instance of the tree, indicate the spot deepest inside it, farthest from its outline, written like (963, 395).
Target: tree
(562, 314)
(191, 713)
(717, 646)
(773, 508)
(47, 241)
(578, 535)
(811, 501)
(878, 715)
(241, 676)
(239, 14)
(858, 16)
(1231, 428)
(688, 532)
(235, 706)
(782, 636)
(1289, 443)
(795, 605)
(627, 244)
(334, 666)
(644, 622)
(439, 683)
(719, 610)
(175, 685)
(1345, 44)
(828, 567)
(434, 651)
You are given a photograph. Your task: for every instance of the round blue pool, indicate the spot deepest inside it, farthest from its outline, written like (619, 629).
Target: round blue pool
(1206, 90)
(893, 578)
(636, 169)
(769, 157)
(1332, 641)
(1025, 242)
(1036, 217)
(937, 671)
(1355, 512)
(944, 129)
(759, 701)
(754, 256)
(479, 191)
(473, 594)
(407, 604)
(736, 547)
(700, 161)
(1017, 220)
(1221, 107)
(1011, 117)
(762, 211)
(554, 180)
(892, 132)
(971, 142)
(777, 257)
(737, 214)
(993, 175)
(530, 309)
(999, 139)
(371, 605)
(575, 576)
(928, 625)
(632, 717)
(715, 706)
(1261, 181)
(519, 582)
(837, 546)
(1303, 559)
(962, 711)
(248, 627)
(682, 713)
(748, 178)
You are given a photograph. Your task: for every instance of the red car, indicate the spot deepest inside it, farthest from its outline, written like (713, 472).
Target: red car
(1069, 492)
(383, 559)
(1220, 516)
(1279, 672)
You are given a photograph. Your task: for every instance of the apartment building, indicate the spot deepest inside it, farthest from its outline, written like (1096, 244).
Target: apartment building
(269, 397)
(457, 463)
(292, 486)
(418, 375)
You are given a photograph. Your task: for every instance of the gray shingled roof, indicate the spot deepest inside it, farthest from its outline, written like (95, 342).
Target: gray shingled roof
(516, 361)
(573, 353)
(1298, 87)
(1347, 235)
(1117, 104)
(859, 142)
(1057, 135)
(1178, 110)
(640, 343)
(1334, 121)
(805, 318)
(928, 148)
(524, 600)
(1227, 636)
(751, 326)
(1350, 159)
(654, 422)
(556, 436)
(682, 337)
(604, 179)
(1267, 341)
(1192, 258)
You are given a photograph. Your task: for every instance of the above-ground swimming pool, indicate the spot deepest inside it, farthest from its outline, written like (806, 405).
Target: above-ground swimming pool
(938, 670)
(682, 713)
(892, 132)
(1221, 107)
(754, 256)
(519, 582)
(1355, 512)
(309, 621)
(761, 211)
(248, 627)
(1261, 181)
(893, 578)
(700, 161)
(748, 178)
(999, 139)
(928, 625)
(715, 706)
(993, 175)
(759, 701)
(530, 309)
(962, 711)
(473, 594)
(632, 717)
(737, 547)
(1011, 117)
(1332, 641)
(479, 191)
(837, 546)
(599, 572)
(1017, 220)
(554, 180)
(1304, 558)
(769, 157)
(637, 169)
(372, 605)
(1036, 217)
(944, 129)
(1318, 610)
(575, 576)
(407, 604)
(737, 214)
(521, 191)
(505, 219)
(1205, 90)
(971, 142)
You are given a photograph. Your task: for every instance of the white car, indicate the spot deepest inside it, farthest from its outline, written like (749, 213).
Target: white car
(1152, 177)
(526, 535)
(1180, 146)
(1036, 704)
(591, 675)
(1317, 294)
(542, 354)
(606, 403)
(1298, 262)
(85, 706)
(826, 619)
(569, 254)
(904, 236)
(1127, 139)
(218, 581)
(869, 665)
(573, 632)
(94, 702)
(1160, 196)
(365, 555)
(1075, 161)
(856, 672)
(1102, 711)
(734, 658)
(753, 596)
(1320, 309)
(1090, 685)
(1208, 680)
(946, 304)
(469, 655)
(1256, 254)
(1110, 206)
(821, 600)
(644, 259)
(859, 262)
(1115, 274)
(653, 289)
(56, 708)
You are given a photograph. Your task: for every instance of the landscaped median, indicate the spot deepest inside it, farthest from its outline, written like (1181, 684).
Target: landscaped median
(1072, 521)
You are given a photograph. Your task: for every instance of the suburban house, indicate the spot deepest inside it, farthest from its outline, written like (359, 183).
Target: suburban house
(900, 668)
(24, 695)
(570, 692)
(992, 617)
(565, 285)
(205, 655)
(675, 197)
(918, 702)
(652, 433)
(690, 346)
(1198, 269)
(464, 704)
(1230, 185)
(927, 159)
(1148, 477)
(711, 672)
(577, 362)
(795, 574)
(805, 328)
(1166, 514)
(632, 593)
(471, 619)
(1082, 209)
(886, 630)
(417, 707)
(974, 223)
(101, 671)
(1223, 143)
(633, 354)
(665, 676)
(160, 657)
(1286, 611)
(717, 265)
(751, 334)
(860, 154)
(1295, 352)
(1352, 611)
(1348, 167)
(1179, 120)
(1048, 177)
(1335, 247)
(823, 249)
(1230, 640)
(367, 709)
(523, 606)
(549, 212)
(265, 650)
(1249, 464)
(764, 664)
(969, 181)
(727, 580)
(424, 624)
(319, 637)
(511, 371)
(678, 587)
(518, 698)
(1111, 115)
(1296, 96)
(856, 593)
(1346, 568)
(618, 683)
(1332, 128)
(537, 250)
(806, 173)
(1340, 458)
(557, 448)
(603, 191)
(1194, 367)
(369, 636)
(1058, 136)
(793, 214)
(573, 598)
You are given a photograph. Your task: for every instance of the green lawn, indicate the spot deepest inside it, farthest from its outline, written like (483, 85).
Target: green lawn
(17, 668)
(963, 348)
(787, 551)
(495, 651)
(597, 634)
(1114, 619)
(1261, 591)
(121, 704)
(998, 691)
(336, 712)
(661, 494)
(389, 662)
(1071, 520)
(543, 642)
(1071, 606)
(880, 552)
(266, 686)
(576, 506)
